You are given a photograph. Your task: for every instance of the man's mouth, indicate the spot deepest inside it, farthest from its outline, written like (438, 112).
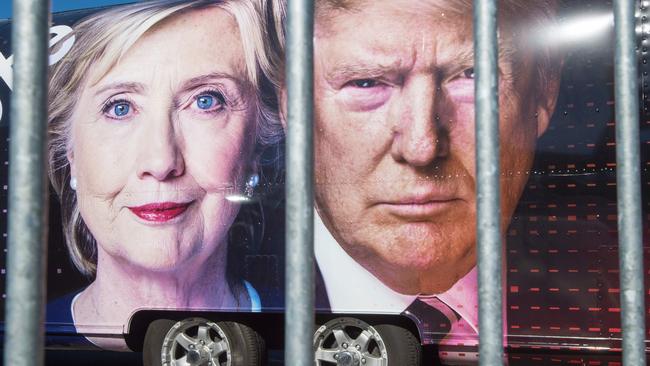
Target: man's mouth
(159, 212)
(420, 206)
(419, 210)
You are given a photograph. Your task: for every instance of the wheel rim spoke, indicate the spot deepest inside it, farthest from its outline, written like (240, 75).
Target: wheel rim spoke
(340, 336)
(181, 361)
(184, 341)
(326, 355)
(204, 334)
(219, 348)
(363, 339)
(374, 361)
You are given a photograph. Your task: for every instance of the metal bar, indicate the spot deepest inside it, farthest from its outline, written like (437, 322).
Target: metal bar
(487, 167)
(628, 185)
(299, 318)
(28, 187)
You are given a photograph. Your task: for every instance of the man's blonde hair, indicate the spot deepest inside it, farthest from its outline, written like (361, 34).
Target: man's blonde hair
(521, 17)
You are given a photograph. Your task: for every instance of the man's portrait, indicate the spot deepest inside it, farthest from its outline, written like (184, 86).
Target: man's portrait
(394, 137)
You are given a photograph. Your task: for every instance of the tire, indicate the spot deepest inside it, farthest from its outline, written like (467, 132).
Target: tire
(156, 332)
(350, 341)
(198, 341)
(402, 346)
(248, 347)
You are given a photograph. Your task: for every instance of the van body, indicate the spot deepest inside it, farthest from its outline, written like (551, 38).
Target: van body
(561, 278)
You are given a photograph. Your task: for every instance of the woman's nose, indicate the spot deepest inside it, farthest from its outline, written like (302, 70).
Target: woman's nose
(419, 138)
(159, 153)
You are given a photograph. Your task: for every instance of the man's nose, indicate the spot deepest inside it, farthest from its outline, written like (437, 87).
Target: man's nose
(159, 153)
(419, 138)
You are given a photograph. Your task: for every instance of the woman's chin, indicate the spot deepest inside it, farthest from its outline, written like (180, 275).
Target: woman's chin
(158, 257)
(150, 266)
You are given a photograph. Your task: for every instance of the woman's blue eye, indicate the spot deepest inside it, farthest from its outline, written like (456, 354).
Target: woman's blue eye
(205, 101)
(209, 101)
(121, 109)
(118, 109)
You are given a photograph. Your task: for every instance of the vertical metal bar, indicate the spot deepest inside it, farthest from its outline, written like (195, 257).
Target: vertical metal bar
(628, 185)
(27, 234)
(487, 166)
(299, 318)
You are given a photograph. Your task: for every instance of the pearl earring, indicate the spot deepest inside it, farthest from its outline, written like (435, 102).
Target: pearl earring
(73, 183)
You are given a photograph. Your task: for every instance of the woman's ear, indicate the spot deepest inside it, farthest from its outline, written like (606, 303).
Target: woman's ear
(70, 156)
(283, 107)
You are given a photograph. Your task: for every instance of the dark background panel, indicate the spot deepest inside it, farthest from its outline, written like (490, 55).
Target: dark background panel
(562, 245)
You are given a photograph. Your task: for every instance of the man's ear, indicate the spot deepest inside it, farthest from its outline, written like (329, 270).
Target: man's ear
(253, 168)
(283, 107)
(547, 100)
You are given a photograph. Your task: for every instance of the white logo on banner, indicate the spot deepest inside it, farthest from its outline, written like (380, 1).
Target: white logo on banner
(59, 32)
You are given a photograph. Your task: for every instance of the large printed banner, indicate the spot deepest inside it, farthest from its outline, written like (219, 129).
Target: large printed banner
(166, 159)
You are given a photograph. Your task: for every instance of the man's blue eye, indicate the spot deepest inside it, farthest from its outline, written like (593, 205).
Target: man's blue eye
(121, 109)
(205, 101)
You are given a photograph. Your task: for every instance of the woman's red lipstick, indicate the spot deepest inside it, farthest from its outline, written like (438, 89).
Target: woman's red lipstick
(160, 211)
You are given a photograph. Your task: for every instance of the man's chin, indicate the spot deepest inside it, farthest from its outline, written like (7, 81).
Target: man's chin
(410, 280)
(413, 258)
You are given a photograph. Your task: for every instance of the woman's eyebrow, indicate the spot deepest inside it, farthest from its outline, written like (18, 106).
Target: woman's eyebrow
(213, 77)
(129, 87)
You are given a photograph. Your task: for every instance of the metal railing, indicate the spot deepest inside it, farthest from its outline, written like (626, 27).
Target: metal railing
(28, 200)
(299, 318)
(628, 185)
(27, 224)
(488, 232)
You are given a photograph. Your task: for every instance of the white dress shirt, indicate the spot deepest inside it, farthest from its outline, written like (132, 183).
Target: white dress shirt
(352, 289)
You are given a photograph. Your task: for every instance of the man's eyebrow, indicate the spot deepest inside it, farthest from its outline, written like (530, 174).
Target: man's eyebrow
(464, 57)
(346, 71)
(130, 87)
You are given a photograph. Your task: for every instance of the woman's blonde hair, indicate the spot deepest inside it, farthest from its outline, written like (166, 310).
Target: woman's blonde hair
(100, 41)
